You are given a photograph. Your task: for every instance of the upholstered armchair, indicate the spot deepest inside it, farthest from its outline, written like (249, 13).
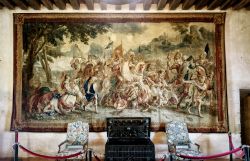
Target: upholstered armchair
(76, 140)
(178, 141)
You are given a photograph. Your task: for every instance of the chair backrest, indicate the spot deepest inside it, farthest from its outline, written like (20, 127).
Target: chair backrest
(77, 133)
(177, 133)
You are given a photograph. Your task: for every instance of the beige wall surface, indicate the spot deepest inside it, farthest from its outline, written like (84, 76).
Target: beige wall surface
(237, 44)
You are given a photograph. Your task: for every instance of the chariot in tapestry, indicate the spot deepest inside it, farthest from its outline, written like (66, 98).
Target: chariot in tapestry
(87, 69)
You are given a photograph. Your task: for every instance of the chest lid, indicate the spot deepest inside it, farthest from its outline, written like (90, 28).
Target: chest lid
(128, 127)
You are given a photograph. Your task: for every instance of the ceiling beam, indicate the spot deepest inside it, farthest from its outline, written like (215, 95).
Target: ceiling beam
(119, 2)
(187, 4)
(7, 4)
(103, 5)
(48, 4)
(132, 6)
(241, 4)
(174, 4)
(118, 7)
(233, 3)
(225, 5)
(161, 4)
(34, 4)
(75, 4)
(60, 4)
(90, 4)
(147, 4)
(214, 4)
(21, 4)
(202, 3)
(248, 7)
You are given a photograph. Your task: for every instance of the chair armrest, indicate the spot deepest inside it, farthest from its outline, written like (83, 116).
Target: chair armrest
(171, 148)
(59, 146)
(197, 145)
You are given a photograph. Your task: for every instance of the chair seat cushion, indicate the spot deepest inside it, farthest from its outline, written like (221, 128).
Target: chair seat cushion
(189, 152)
(74, 147)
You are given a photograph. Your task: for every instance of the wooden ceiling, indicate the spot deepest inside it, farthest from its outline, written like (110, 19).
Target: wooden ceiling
(161, 4)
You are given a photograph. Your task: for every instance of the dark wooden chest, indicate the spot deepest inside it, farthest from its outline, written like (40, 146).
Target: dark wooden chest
(129, 140)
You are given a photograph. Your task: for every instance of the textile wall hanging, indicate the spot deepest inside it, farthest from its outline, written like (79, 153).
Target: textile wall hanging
(88, 67)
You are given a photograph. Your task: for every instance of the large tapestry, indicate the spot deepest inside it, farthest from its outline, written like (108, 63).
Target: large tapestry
(89, 67)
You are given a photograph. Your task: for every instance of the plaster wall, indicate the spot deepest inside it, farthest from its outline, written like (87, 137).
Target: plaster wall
(237, 38)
